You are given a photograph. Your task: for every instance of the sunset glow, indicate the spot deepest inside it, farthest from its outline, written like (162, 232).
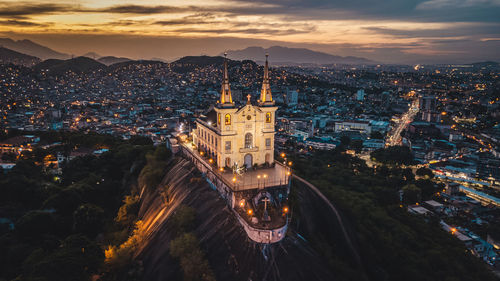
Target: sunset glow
(420, 29)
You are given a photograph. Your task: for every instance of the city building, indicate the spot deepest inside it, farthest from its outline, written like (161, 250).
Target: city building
(292, 97)
(353, 126)
(360, 95)
(234, 148)
(241, 136)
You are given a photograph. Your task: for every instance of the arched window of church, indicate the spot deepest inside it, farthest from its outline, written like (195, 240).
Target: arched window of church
(228, 119)
(218, 118)
(248, 140)
(268, 117)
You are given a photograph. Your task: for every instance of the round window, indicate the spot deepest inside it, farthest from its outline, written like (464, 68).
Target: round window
(249, 117)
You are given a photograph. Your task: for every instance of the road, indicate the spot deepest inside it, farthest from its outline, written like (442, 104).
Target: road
(339, 218)
(406, 119)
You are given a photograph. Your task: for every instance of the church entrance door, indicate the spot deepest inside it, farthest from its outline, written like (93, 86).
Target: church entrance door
(248, 161)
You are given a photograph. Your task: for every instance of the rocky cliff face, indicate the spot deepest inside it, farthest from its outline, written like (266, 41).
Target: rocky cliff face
(231, 254)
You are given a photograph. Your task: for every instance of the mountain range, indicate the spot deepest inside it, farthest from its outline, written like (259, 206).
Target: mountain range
(293, 56)
(31, 48)
(28, 53)
(9, 56)
(109, 60)
(77, 65)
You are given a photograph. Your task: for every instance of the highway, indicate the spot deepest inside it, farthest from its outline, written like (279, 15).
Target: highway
(406, 119)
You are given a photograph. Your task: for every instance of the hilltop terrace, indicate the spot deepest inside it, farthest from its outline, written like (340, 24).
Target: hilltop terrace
(276, 175)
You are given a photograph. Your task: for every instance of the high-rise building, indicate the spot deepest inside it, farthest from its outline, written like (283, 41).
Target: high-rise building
(360, 95)
(428, 113)
(292, 97)
(427, 103)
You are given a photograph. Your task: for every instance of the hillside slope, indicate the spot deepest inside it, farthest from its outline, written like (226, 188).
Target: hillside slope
(9, 56)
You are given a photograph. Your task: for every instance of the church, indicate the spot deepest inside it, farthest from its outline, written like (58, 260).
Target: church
(238, 136)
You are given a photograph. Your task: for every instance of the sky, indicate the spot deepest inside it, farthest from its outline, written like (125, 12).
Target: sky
(386, 31)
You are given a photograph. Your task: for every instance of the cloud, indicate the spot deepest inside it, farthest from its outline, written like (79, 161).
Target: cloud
(441, 4)
(294, 10)
(467, 30)
(25, 9)
(268, 31)
(139, 9)
(20, 23)
(182, 22)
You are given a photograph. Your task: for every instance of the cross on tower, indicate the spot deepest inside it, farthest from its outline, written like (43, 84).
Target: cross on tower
(266, 215)
(248, 98)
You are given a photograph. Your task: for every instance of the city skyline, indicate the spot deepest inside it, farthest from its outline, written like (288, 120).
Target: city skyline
(435, 31)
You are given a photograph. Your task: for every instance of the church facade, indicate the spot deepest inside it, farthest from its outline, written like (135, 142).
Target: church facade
(238, 136)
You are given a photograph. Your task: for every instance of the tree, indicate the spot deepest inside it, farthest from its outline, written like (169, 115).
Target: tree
(345, 140)
(140, 140)
(88, 219)
(65, 202)
(76, 259)
(393, 155)
(357, 145)
(425, 172)
(128, 211)
(428, 187)
(376, 135)
(193, 262)
(408, 175)
(34, 224)
(411, 194)
(184, 219)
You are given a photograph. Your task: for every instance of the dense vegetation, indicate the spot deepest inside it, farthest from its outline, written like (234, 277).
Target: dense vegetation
(83, 223)
(57, 227)
(393, 155)
(186, 248)
(393, 244)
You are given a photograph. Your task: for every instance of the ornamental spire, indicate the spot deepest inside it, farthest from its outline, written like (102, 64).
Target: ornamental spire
(225, 95)
(265, 94)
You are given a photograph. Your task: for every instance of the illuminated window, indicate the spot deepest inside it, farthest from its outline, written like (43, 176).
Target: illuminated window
(248, 140)
(228, 119)
(218, 118)
(268, 117)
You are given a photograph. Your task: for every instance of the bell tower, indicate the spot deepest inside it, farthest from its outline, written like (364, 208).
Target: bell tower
(226, 100)
(266, 98)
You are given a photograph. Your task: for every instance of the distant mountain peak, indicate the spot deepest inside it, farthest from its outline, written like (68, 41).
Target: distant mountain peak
(92, 55)
(109, 60)
(31, 48)
(286, 55)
